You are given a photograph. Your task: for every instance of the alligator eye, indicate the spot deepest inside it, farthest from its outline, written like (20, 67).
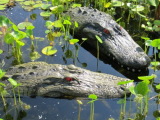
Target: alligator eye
(106, 31)
(69, 79)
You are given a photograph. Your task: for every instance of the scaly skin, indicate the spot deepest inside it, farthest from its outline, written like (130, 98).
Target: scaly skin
(117, 43)
(49, 80)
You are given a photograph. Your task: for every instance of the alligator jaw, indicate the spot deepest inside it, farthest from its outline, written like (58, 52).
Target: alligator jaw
(126, 52)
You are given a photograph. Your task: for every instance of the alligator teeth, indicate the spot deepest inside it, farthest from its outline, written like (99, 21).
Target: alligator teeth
(113, 58)
(121, 65)
(118, 63)
(139, 70)
(133, 70)
(128, 68)
(108, 54)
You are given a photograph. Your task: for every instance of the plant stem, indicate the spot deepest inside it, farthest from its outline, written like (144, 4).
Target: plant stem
(3, 99)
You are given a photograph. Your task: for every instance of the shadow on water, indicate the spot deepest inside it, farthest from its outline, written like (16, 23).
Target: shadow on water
(114, 64)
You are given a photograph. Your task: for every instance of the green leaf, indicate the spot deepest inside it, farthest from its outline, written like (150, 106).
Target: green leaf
(29, 32)
(67, 22)
(1, 51)
(4, 1)
(56, 34)
(124, 82)
(46, 14)
(12, 81)
(155, 63)
(155, 42)
(30, 27)
(142, 88)
(45, 6)
(49, 50)
(156, 22)
(148, 42)
(4, 21)
(2, 84)
(99, 39)
(1, 73)
(76, 24)
(158, 86)
(49, 24)
(1, 89)
(145, 38)
(131, 89)
(20, 43)
(8, 38)
(79, 102)
(153, 2)
(92, 96)
(15, 27)
(57, 24)
(76, 5)
(74, 40)
(145, 77)
(117, 3)
(137, 8)
(47, 31)
(28, 2)
(22, 25)
(121, 101)
(84, 39)
(18, 85)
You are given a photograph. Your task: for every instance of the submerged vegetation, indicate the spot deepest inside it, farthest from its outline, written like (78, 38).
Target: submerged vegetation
(125, 11)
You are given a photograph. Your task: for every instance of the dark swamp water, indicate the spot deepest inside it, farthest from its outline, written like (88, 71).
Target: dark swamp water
(68, 109)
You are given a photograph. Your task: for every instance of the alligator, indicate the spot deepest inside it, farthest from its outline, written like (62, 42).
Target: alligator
(55, 80)
(117, 43)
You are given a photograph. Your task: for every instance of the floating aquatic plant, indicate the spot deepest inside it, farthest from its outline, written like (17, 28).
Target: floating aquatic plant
(49, 50)
(94, 98)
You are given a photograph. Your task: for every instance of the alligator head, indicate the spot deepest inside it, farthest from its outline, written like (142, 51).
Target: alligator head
(117, 43)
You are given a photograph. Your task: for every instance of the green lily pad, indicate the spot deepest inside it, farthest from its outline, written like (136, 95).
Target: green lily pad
(22, 25)
(31, 2)
(56, 34)
(145, 77)
(34, 56)
(38, 2)
(73, 41)
(45, 6)
(2, 7)
(118, 3)
(49, 50)
(137, 8)
(38, 5)
(54, 9)
(4, 1)
(92, 96)
(45, 14)
(19, 0)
